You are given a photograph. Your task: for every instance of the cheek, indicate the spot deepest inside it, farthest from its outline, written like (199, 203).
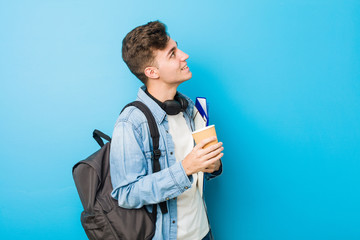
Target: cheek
(172, 68)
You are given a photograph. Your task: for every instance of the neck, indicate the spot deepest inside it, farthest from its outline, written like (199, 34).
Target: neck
(162, 92)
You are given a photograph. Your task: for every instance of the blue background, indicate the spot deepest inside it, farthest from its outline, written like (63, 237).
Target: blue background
(281, 77)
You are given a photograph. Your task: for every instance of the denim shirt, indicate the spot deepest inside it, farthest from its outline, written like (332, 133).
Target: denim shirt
(133, 180)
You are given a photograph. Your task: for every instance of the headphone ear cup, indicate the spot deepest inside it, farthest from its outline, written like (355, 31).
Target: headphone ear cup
(172, 107)
(183, 103)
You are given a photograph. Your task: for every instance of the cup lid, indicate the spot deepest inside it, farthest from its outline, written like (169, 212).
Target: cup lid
(202, 129)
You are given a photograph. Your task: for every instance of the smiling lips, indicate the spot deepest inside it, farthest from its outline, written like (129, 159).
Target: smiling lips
(185, 67)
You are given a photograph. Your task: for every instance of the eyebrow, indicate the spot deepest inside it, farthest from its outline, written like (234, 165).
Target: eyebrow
(172, 49)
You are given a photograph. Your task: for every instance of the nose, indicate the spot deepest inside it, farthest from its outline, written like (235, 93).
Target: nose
(183, 56)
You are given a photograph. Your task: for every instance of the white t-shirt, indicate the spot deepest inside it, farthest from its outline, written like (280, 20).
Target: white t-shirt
(192, 223)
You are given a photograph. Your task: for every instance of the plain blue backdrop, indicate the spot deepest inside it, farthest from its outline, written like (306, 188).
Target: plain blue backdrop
(282, 79)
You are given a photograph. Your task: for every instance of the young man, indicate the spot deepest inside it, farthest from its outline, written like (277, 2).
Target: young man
(157, 61)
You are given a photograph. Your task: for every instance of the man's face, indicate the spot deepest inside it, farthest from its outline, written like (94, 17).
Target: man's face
(171, 64)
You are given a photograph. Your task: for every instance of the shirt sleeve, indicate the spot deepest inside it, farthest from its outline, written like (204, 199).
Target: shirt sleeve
(133, 186)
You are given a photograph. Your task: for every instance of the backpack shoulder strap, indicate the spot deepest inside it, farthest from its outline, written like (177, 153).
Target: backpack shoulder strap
(98, 135)
(154, 132)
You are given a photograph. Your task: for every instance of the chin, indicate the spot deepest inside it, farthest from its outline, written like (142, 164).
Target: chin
(185, 78)
(189, 76)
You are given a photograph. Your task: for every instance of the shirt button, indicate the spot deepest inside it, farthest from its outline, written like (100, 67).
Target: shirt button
(186, 187)
(171, 153)
(173, 221)
(167, 199)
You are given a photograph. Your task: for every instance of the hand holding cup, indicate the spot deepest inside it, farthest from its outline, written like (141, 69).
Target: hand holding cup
(205, 156)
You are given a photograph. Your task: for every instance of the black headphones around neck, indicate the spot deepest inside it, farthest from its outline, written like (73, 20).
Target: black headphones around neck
(172, 107)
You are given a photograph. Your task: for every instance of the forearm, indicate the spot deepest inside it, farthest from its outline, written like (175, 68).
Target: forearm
(133, 182)
(153, 188)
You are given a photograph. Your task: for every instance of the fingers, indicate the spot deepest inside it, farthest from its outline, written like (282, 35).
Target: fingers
(205, 159)
(214, 153)
(211, 165)
(214, 159)
(206, 141)
(212, 148)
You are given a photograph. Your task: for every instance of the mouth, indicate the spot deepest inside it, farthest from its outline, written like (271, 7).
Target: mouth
(185, 67)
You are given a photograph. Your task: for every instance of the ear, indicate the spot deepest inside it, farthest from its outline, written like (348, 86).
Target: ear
(152, 72)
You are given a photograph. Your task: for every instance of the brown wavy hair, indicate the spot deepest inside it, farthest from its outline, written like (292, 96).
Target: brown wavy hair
(139, 45)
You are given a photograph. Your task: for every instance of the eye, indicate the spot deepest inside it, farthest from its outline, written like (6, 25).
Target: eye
(172, 54)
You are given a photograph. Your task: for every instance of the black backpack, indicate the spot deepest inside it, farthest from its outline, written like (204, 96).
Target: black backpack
(102, 218)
